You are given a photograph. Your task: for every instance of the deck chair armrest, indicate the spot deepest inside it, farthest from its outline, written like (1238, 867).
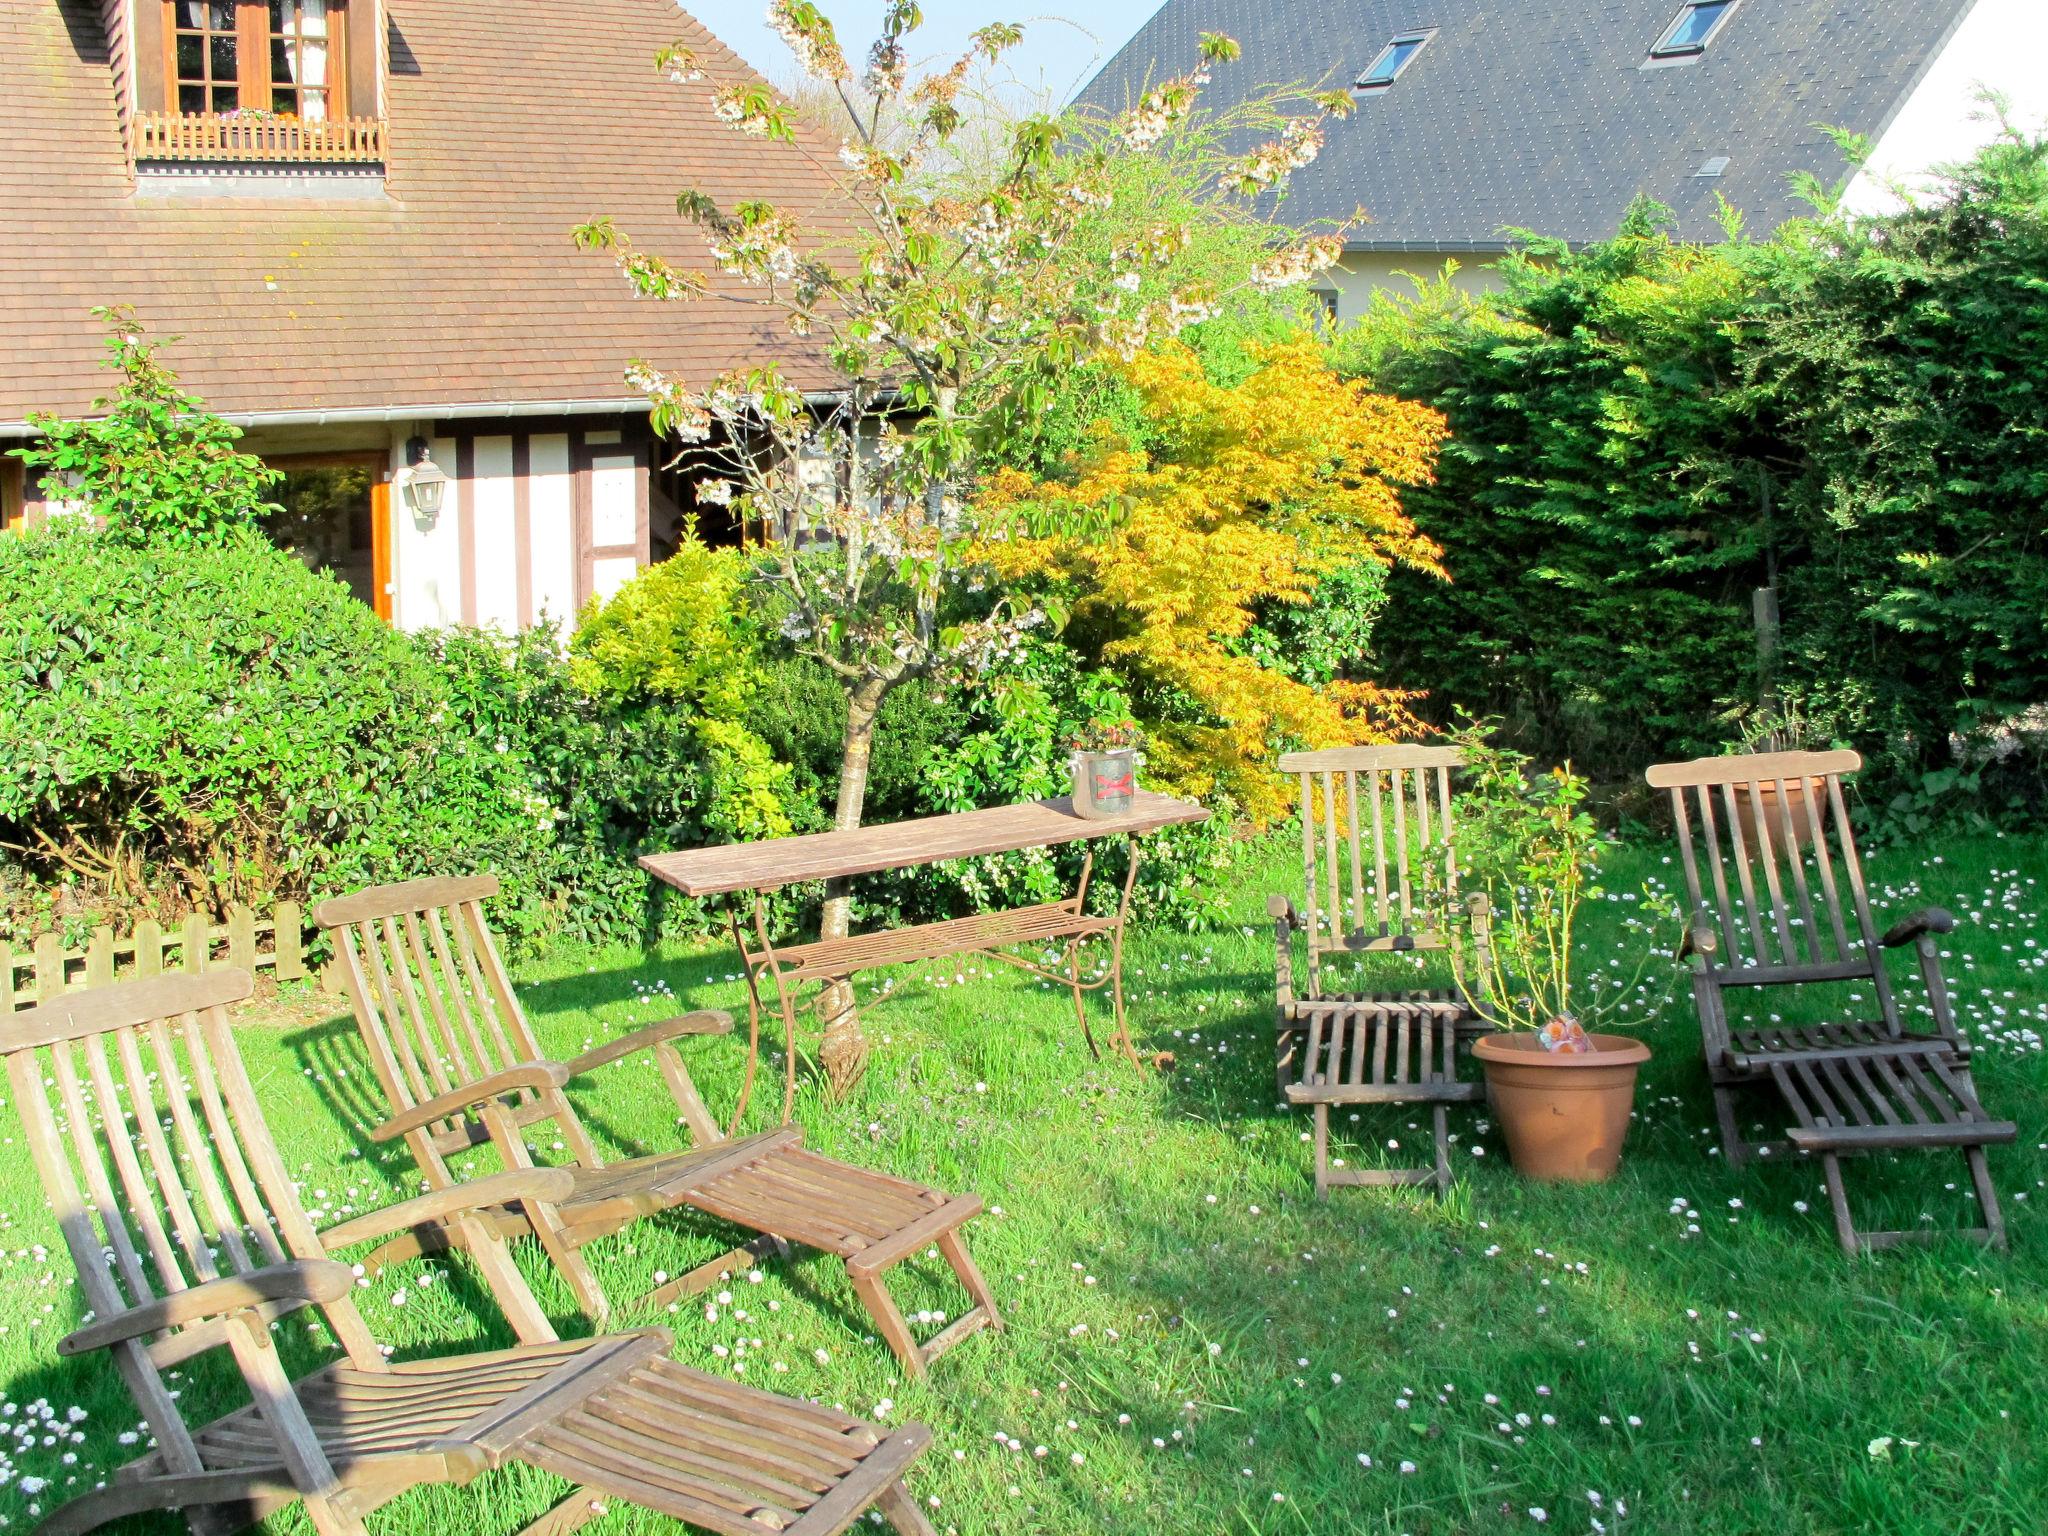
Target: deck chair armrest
(1914, 924)
(1699, 939)
(1281, 909)
(704, 1021)
(301, 1282)
(551, 1185)
(539, 1076)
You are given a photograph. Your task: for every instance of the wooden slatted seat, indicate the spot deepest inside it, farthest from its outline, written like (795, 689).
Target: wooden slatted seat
(1778, 900)
(460, 1067)
(188, 1236)
(1390, 891)
(836, 959)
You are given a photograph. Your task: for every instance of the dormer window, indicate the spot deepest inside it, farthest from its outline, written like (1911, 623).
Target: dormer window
(1393, 59)
(259, 81)
(282, 57)
(1693, 28)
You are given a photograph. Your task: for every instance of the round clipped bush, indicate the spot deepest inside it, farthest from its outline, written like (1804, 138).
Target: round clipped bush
(196, 725)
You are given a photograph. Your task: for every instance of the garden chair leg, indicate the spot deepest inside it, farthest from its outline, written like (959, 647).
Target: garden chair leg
(1322, 1151)
(1733, 1148)
(1838, 1199)
(903, 1513)
(873, 1291)
(1283, 1070)
(1074, 986)
(570, 1514)
(970, 1276)
(1987, 1197)
(1443, 1149)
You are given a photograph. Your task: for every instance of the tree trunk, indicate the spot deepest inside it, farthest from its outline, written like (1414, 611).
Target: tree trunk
(844, 1053)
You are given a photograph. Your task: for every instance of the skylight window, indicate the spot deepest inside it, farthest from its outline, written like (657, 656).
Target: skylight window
(1395, 57)
(1694, 28)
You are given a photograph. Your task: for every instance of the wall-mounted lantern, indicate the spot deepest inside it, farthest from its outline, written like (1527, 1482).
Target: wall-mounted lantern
(422, 481)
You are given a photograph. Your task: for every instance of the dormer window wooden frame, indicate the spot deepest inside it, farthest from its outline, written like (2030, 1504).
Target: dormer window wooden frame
(256, 81)
(285, 57)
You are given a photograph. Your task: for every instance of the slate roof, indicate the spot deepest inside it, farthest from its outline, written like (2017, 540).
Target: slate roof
(1538, 114)
(509, 125)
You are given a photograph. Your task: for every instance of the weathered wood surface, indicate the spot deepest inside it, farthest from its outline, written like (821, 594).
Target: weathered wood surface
(1778, 898)
(460, 1067)
(936, 941)
(1379, 873)
(187, 1234)
(780, 861)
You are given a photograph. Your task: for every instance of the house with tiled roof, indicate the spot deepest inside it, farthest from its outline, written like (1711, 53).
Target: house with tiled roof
(356, 217)
(1476, 118)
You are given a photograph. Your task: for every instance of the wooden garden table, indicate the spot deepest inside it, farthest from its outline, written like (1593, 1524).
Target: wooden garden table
(755, 869)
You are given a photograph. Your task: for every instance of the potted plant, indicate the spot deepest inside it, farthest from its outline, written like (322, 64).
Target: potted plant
(1105, 765)
(1561, 1089)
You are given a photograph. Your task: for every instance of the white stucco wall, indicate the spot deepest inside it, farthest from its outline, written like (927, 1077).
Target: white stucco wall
(426, 553)
(552, 519)
(1358, 274)
(2002, 45)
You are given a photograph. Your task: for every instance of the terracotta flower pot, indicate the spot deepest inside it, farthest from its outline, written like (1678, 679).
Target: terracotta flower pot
(1565, 1117)
(1788, 821)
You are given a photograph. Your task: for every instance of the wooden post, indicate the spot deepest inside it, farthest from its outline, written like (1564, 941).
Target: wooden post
(49, 968)
(1764, 606)
(6, 978)
(99, 958)
(241, 936)
(287, 942)
(197, 946)
(149, 948)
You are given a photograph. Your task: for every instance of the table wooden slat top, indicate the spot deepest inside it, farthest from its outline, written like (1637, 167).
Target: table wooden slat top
(779, 861)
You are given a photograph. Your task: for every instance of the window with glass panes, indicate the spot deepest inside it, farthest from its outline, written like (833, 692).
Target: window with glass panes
(277, 56)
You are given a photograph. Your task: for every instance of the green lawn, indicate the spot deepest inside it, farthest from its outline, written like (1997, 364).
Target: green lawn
(1194, 1344)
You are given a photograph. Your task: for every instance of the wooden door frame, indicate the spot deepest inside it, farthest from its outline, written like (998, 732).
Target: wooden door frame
(13, 495)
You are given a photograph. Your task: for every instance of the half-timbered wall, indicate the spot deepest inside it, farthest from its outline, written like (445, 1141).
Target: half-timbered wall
(533, 525)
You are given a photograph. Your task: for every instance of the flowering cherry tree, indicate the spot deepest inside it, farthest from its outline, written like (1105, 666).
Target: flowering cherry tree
(943, 311)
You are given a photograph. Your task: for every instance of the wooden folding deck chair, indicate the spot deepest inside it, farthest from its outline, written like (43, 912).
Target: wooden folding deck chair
(1770, 864)
(188, 1235)
(460, 1068)
(1391, 892)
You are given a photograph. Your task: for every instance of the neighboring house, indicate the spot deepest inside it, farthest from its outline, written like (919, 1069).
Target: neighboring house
(1480, 116)
(356, 214)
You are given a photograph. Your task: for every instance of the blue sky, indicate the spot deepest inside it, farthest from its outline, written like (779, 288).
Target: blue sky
(1062, 47)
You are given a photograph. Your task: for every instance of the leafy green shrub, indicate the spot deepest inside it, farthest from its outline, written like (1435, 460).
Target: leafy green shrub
(151, 462)
(1644, 432)
(193, 725)
(1907, 358)
(1599, 503)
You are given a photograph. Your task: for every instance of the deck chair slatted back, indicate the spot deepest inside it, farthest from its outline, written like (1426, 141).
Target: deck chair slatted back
(436, 1006)
(1378, 852)
(1778, 899)
(186, 1232)
(1379, 867)
(436, 1012)
(145, 1133)
(1771, 868)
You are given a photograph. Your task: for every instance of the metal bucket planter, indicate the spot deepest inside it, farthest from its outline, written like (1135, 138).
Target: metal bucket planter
(1105, 783)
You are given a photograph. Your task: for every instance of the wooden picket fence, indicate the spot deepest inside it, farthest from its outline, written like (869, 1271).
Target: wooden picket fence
(46, 969)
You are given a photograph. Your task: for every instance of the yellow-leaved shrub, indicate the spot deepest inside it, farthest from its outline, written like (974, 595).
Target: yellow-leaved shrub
(1250, 494)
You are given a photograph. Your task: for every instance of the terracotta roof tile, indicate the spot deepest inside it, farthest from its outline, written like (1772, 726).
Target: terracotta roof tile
(513, 124)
